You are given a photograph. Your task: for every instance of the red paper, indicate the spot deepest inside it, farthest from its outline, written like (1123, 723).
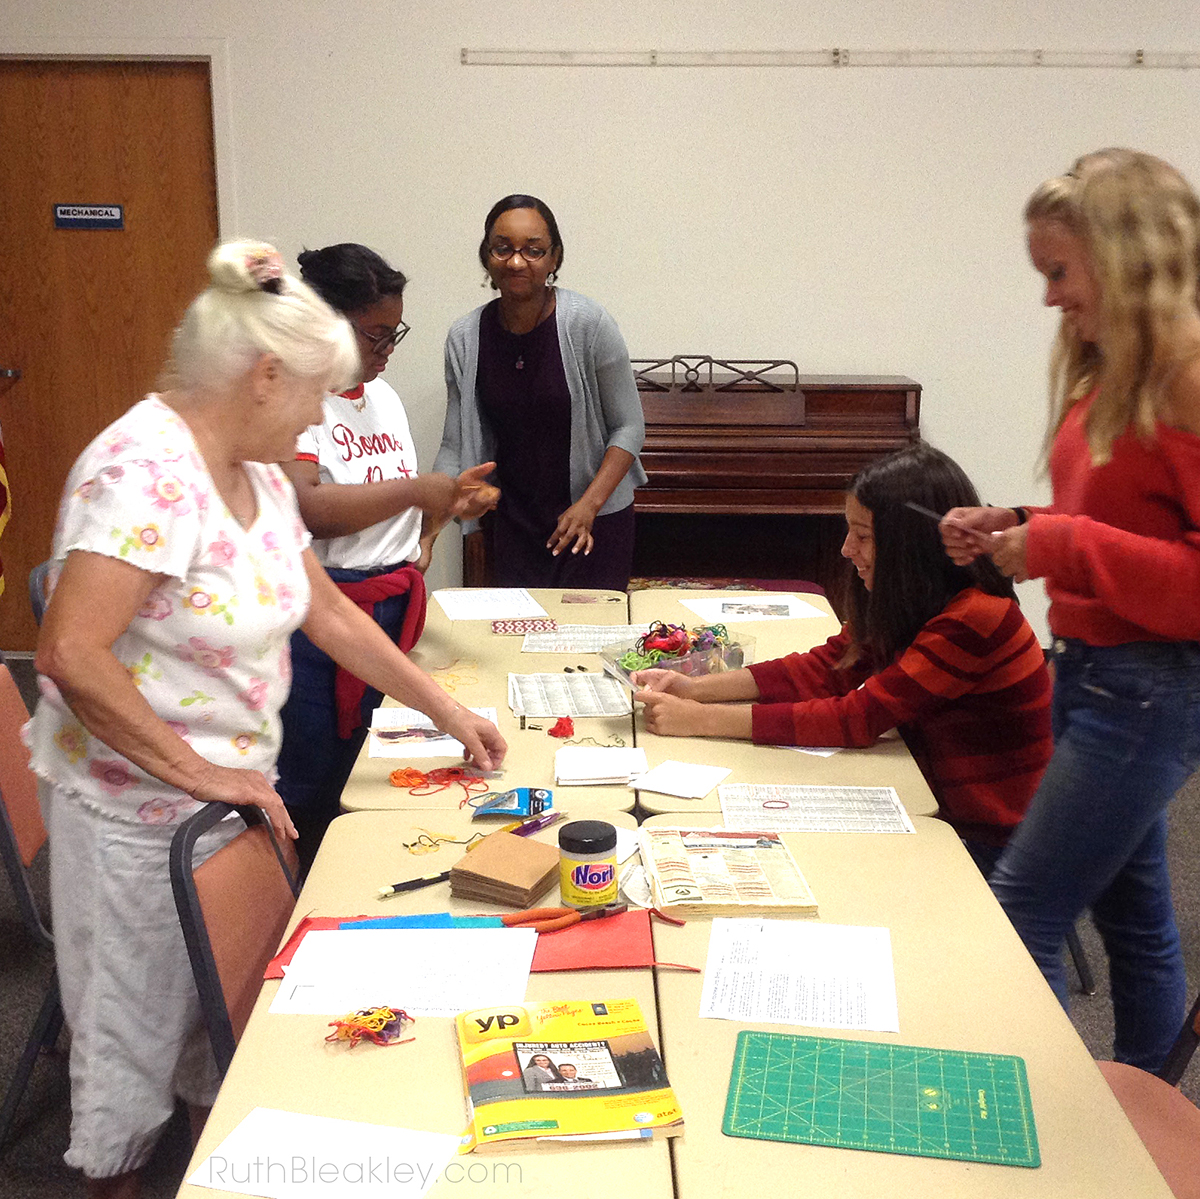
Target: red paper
(621, 940)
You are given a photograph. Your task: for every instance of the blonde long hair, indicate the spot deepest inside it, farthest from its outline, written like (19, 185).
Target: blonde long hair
(1140, 221)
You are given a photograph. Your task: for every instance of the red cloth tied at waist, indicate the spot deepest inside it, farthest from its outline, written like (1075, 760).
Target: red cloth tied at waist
(348, 690)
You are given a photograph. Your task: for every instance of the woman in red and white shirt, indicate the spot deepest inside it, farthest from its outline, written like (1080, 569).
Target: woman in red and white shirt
(356, 479)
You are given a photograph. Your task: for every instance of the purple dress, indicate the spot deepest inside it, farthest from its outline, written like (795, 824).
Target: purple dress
(524, 399)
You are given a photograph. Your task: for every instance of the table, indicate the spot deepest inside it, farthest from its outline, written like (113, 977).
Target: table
(963, 980)
(884, 764)
(473, 663)
(283, 1062)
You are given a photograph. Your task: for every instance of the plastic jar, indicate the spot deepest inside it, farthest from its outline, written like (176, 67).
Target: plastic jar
(587, 872)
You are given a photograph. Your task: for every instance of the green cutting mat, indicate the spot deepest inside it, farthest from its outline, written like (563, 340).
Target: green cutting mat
(887, 1098)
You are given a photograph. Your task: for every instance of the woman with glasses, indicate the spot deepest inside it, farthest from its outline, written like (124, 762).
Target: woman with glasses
(356, 479)
(539, 381)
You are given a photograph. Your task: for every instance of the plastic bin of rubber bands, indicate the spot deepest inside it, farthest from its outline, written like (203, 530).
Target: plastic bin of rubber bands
(706, 649)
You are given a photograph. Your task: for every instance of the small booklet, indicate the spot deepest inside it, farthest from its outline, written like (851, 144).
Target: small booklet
(724, 872)
(545, 1072)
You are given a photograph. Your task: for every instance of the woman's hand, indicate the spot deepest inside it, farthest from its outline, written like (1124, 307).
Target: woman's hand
(966, 531)
(473, 495)
(666, 682)
(1008, 552)
(482, 743)
(228, 784)
(574, 526)
(670, 715)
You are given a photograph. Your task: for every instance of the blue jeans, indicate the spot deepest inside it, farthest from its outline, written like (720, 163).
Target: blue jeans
(1126, 724)
(314, 762)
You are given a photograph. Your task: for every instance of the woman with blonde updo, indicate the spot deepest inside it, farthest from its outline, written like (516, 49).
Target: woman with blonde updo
(182, 568)
(1117, 239)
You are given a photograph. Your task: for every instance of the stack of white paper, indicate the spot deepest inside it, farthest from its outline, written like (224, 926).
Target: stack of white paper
(686, 780)
(597, 765)
(489, 603)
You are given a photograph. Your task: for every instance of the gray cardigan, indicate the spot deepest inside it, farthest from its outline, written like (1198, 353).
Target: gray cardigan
(606, 409)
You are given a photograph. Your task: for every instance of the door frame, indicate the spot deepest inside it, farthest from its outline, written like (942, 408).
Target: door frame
(214, 51)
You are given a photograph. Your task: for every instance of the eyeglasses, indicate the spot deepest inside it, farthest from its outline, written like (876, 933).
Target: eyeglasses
(502, 252)
(381, 345)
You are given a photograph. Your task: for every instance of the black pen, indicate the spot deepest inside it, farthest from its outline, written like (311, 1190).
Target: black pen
(414, 884)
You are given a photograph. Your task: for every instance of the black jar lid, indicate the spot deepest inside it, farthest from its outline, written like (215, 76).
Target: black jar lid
(587, 836)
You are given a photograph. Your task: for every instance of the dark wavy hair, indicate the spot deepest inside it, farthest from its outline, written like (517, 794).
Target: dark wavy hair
(913, 580)
(349, 277)
(518, 201)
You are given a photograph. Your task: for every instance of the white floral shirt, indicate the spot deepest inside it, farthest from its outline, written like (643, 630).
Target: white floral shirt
(209, 648)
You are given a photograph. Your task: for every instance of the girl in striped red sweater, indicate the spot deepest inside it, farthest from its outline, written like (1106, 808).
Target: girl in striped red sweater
(939, 651)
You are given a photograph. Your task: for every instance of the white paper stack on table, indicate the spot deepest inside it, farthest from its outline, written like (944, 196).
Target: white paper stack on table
(597, 765)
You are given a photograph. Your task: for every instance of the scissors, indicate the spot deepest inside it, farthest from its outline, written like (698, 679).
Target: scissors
(549, 920)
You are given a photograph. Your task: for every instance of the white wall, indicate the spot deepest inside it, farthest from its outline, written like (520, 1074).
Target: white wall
(856, 220)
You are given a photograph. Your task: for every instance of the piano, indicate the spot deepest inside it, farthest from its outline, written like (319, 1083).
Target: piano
(748, 462)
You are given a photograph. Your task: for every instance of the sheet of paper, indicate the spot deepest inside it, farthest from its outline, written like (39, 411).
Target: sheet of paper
(756, 605)
(813, 809)
(489, 603)
(427, 972)
(627, 844)
(598, 765)
(817, 751)
(546, 695)
(396, 720)
(581, 638)
(795, 972)
(687, 780)
(287, 1155)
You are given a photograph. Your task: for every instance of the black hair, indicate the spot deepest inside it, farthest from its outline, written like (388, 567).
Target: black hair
(349, 277)
(518, 201)
(914, 578)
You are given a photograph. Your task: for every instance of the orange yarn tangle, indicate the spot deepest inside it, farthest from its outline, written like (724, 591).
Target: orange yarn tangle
(381, 1025)
(442, 778)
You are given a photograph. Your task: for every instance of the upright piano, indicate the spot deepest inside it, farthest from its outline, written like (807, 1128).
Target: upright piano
(748, 463)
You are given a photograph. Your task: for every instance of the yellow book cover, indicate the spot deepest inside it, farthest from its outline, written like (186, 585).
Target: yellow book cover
(566, 1069)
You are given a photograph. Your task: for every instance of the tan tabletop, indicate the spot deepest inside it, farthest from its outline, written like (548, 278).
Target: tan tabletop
(473, 664)
(885, 764)
(963, 981)
(283, 1062)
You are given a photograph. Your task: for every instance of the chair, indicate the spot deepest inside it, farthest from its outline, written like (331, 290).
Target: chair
(1165, 1119)
(233, 909)
(1185, 1045)
(22, 835)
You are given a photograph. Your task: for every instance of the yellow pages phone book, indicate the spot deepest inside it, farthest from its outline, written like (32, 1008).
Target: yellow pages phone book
(569, 1069)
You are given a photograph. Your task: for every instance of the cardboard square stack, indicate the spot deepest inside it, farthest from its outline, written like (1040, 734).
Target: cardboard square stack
(505, 869)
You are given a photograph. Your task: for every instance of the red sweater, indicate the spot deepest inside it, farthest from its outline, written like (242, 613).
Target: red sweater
(1120, 547)
(970, 696)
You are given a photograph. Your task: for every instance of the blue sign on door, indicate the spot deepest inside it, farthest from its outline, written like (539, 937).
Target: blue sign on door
(89, 216)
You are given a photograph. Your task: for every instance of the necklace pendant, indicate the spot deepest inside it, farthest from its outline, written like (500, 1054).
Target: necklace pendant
(521, 363)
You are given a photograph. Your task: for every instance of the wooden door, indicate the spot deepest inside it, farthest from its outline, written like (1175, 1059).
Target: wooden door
(86, 314)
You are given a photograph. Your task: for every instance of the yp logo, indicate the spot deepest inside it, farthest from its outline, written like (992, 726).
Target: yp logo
(488, 1023)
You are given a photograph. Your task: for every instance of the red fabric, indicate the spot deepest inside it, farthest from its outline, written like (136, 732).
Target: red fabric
(349, 690)
(1120, 547)
(971, 696)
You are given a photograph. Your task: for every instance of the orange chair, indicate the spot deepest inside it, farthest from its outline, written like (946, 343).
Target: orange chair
(1166, 1120)
(22, 835)
(233, 909)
